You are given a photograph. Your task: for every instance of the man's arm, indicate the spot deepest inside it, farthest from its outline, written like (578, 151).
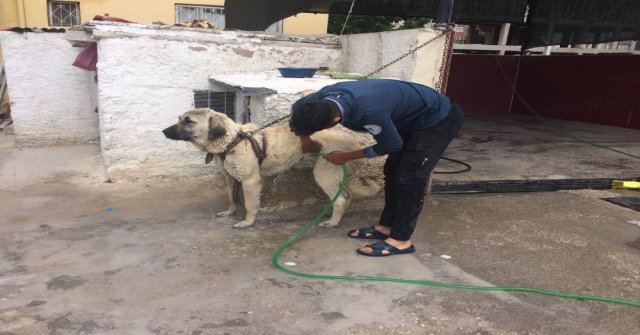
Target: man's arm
(339, 157)
(309, 145)
(384, 132)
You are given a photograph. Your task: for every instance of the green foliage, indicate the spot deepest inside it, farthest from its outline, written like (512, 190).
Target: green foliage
(359, 24)
(415, 22)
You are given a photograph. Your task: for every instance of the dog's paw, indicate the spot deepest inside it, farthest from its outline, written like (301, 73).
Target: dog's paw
(225, 213)
(243, 224)
(327, 224)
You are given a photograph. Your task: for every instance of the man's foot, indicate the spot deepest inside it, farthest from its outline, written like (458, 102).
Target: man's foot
(387, 248)
(376, 232)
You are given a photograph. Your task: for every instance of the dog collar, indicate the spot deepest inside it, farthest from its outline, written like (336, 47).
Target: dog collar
(260, 153)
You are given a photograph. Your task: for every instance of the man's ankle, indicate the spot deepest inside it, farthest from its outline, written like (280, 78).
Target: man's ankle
(382, 229)
(398, 243)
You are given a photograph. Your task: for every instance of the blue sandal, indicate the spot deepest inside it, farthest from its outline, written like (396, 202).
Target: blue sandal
(370, 233)
(380, 246)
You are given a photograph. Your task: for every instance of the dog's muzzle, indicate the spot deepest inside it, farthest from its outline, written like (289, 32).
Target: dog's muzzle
(176, 133)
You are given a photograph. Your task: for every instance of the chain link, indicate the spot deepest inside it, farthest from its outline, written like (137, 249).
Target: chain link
(270, 124)
(441, 85)
(444, 32)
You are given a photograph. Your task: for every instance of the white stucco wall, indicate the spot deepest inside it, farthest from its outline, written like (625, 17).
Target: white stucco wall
(146, 82)
(52, 102)
(147, 75)
(364, 53)
(428, 60)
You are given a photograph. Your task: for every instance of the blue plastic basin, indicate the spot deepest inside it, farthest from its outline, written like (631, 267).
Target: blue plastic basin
(297, 72)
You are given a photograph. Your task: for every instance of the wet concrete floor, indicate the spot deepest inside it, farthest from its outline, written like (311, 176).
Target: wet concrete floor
(160, 263)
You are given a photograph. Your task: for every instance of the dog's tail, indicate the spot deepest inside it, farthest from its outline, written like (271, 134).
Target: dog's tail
(363, 188)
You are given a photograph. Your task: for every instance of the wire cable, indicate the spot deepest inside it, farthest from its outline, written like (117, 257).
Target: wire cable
(345, 23)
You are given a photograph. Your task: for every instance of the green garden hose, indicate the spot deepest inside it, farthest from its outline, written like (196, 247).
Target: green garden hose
(420, 282)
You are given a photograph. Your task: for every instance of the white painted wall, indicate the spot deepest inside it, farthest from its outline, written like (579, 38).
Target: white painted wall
(52, 102)
(364, 53)
(147, 76)
(146, 82)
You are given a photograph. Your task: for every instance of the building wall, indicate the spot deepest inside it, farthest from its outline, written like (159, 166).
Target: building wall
(8, 14)
(146, 82)
(364, 53)
(5, 97)
(603, 89)
(428, 60)
(146, 78)
(142, 11)
(557, 87)
(477, 84)
(306, 23)
(53, 103)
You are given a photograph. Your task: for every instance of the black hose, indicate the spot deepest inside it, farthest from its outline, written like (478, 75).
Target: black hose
(453, 172)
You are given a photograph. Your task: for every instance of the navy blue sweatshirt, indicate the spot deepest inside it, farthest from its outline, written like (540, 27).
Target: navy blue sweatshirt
(382, 106)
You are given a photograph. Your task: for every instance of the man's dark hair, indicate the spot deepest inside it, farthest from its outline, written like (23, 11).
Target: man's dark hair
(311, 117)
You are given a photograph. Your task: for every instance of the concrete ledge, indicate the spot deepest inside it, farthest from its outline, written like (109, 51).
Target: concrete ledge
(96, 30)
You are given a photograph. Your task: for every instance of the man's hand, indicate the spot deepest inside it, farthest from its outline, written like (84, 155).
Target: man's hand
(309, 145)
(337, 157)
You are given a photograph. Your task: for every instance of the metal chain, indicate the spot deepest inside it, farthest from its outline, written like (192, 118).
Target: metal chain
(444, 32)
(270, 124)
(441, 86)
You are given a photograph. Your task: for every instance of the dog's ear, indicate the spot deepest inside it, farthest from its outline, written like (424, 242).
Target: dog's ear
(215, 131)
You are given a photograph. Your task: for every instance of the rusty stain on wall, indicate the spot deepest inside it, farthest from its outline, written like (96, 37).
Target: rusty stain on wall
(243, 52)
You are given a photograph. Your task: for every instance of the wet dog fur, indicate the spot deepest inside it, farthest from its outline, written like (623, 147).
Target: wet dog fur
(213, 132)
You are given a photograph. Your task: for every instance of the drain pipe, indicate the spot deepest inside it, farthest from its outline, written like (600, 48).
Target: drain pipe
(22, 19)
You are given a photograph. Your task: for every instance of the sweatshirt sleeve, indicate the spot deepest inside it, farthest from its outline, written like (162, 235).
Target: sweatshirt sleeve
(384, 132)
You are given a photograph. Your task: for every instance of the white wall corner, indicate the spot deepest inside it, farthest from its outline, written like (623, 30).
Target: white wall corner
(53, 102)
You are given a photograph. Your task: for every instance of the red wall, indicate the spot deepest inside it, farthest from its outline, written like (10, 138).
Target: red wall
(598, 89)
(476, 83)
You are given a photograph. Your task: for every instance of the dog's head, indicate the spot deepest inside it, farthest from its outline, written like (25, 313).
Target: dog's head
(207, 129)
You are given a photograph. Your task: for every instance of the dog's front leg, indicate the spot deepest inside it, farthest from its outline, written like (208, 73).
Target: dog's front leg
(233, 207)
(251, 189)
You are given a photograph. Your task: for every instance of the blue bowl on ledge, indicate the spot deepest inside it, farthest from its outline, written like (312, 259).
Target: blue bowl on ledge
(297, 72)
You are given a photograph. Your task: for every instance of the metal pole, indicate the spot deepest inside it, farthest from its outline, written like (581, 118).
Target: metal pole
(445, 9)
(531, 4)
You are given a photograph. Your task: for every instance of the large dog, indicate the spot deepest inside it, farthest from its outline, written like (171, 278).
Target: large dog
(223, 141)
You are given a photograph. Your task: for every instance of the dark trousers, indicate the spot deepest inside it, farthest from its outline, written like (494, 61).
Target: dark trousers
(407, 172)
